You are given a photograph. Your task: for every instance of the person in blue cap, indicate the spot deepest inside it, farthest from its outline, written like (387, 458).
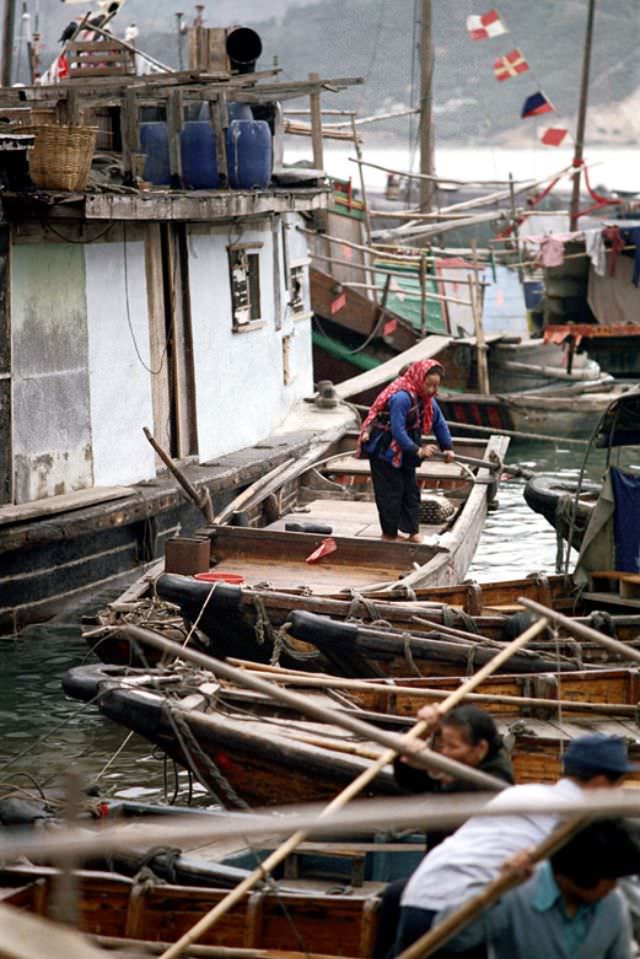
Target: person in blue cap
(462, 865)
(569, 906)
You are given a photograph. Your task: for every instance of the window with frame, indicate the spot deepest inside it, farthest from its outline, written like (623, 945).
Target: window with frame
(244, 277)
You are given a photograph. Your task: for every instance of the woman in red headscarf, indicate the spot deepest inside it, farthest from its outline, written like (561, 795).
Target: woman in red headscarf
(391, 437)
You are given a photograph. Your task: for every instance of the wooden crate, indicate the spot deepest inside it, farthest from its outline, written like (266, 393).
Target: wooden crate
(98, 58)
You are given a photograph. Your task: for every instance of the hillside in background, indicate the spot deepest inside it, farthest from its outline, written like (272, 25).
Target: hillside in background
(375, 39)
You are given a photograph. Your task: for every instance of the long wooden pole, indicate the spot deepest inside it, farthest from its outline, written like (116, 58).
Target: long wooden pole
(323, 681)
(580, 631)
(8, 27)
(470, 910)
(201, 498)
(426, 104)
(393, 743)
(362, 817)
(342, 798)
(582, 115)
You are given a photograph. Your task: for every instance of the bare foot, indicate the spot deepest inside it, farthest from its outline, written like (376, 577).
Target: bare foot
(389, 539)
(414, 538)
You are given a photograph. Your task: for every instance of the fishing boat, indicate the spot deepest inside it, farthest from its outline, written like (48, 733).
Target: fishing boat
(315, 531)
(570, 505)
(122, 912)
(246, 749)
(442, 623)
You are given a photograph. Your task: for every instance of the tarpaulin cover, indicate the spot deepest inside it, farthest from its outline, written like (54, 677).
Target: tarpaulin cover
(626, 491)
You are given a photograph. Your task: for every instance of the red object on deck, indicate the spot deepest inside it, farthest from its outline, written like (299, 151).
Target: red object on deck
(234, 579)
(326, 547)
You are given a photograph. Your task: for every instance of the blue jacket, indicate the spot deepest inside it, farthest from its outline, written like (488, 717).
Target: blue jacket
(406, 428)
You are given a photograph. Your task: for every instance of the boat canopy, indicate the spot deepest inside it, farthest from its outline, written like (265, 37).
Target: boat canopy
(620, 423)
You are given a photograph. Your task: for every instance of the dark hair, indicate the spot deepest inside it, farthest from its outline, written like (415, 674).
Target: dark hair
(606, 849)
(476, 725)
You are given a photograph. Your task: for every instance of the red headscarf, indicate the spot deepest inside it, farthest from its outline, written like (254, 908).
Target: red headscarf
(412, 382)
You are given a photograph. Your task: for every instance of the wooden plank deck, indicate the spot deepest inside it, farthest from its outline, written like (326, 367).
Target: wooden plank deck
(346, 518)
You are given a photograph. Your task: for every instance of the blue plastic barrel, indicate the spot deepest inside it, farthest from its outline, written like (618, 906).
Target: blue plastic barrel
(154, 141)
(239, 111)
(199, 161)
(249, 154)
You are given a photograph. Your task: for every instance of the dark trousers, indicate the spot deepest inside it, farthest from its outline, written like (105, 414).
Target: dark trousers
(397, 497)
(415, 922)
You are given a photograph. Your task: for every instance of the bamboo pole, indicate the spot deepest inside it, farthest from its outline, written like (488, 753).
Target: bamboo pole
(365, 816)
(481, 347)
(440, 179)
(342, 798)
(146, 947)
(393, 743)
(321, 681)
(470, 910)
(582, 115)
(580, 631)
(518, 434)
(365, 209)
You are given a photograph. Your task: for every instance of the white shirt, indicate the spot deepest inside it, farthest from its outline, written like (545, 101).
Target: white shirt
(470, 858)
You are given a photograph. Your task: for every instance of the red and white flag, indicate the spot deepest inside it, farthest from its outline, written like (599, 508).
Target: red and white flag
(553, 136)
(508, 66)
(486, 25)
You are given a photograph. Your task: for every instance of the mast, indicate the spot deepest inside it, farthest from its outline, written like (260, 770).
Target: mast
(8, 26)
(582, 116)
(426, 103)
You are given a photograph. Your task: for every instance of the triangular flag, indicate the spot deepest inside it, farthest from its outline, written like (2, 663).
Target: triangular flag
(553, 136)
(486, 25)
(508, 66)
(535, 105)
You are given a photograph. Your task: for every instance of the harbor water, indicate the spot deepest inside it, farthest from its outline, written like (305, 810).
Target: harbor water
(44, 733)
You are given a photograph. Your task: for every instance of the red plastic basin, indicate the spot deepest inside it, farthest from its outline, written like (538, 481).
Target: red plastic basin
(234, 579)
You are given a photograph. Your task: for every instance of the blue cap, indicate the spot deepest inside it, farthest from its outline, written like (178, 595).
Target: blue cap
(598, 753)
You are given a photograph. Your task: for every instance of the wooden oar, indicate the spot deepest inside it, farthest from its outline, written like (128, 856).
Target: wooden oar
(580, 631)
(342, 798)
(427, 944)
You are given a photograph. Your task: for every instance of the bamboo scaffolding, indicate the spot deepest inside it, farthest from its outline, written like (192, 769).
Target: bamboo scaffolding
(408, 294)
(383, 251)
(353, 789)
(446, 226)
(381, 270)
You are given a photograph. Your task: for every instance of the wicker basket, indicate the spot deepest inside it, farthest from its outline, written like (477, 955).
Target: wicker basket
(435, 510)
(61, 156)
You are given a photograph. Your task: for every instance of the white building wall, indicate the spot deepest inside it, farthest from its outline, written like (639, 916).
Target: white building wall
(119, 363)
(52, 452)
(240, 391)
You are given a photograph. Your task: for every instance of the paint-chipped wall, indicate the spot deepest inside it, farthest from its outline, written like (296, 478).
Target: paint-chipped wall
(240, 391)
(51, 422)
(119, 364)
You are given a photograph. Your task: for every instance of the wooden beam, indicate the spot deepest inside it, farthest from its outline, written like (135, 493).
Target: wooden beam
(175, 121)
